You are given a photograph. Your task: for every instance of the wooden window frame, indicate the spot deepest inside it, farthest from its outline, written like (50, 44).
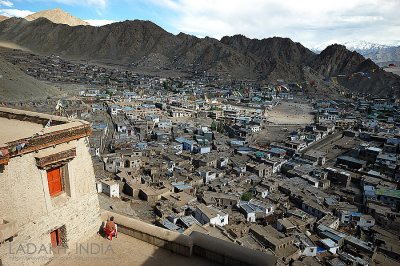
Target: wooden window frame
(64, 180)
(51, 179)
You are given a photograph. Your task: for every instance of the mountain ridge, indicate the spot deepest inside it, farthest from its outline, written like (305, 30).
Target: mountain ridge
(57, 16)
(145, 44)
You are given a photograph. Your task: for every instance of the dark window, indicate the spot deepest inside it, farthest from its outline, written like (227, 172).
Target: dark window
(55, 238)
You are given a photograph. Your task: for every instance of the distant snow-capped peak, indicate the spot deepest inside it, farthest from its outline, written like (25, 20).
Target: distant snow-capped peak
(364, 45)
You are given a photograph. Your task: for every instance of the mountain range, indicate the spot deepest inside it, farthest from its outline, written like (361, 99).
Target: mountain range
(143, 44)
(379, 53)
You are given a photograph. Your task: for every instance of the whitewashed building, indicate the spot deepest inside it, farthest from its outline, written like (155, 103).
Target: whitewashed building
(48, 197)
(210, 215)
(108, 187)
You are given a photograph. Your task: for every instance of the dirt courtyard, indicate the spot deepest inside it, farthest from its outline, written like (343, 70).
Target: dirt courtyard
(290, 113)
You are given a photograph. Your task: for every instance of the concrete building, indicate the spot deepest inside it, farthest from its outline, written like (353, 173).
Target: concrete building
(270, 238)
(314, 208)
(177, 113)
(205, 214)
(114, 109)
(207, 173)
(351, 162)
(47, 184)
(389, 196)
(108, 187)
(327, 232)
(357, 218)
(330, 245)
(306, 245)
(330, 221)
(254, 209)
(261, 170)
(338, 176)
(151, 195)
(255, 128)
(315, 156)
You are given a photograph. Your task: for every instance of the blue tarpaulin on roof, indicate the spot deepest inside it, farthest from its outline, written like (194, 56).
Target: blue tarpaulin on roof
(259, 154)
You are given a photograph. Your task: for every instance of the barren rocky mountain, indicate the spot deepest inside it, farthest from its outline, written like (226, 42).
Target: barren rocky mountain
(336, 60)
(138, 42)
(3, 17)
(352, 70)
(356, 72)
(15, 85)
(144, 44)
(271, 49)
(276, 58)
(57, 16)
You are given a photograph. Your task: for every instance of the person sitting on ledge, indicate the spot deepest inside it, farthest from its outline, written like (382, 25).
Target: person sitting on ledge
(111, 228)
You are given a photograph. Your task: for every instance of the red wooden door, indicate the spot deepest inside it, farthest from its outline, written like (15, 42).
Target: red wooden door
(54, 181)
(55, 238)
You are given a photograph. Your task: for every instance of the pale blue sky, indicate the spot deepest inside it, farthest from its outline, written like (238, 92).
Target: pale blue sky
(311, 22)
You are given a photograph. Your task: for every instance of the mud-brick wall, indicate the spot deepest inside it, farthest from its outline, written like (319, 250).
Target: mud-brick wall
(25, 198)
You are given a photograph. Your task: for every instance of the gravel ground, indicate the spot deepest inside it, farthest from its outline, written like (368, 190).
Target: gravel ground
(290, 113)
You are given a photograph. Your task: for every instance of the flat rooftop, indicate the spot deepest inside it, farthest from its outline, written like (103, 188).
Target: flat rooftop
(12, 129)
(23, 131)
(126, 250)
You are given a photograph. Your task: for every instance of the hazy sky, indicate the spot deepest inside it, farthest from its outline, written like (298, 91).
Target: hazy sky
(310, 22)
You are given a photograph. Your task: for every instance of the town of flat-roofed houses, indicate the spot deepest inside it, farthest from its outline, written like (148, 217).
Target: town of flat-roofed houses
(217, 167)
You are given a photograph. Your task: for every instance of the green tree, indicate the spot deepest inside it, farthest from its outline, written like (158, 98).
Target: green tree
(213, 125)
(246, 196)
(165, 85)
(220, 128)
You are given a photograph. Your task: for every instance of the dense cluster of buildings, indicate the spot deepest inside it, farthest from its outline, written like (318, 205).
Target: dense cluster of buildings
(327, 193)
(323, 193)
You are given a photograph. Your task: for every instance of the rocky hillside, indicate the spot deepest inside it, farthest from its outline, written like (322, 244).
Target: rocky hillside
(143, 44)
(276, 58)
(57, 16)
(15, 85)
(336, 60)
(355, 72)
(271, 49)
(3, 17)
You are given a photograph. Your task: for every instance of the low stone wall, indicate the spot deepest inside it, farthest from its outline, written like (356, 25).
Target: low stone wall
(157, 236)
(199, 244)
(228, 253)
